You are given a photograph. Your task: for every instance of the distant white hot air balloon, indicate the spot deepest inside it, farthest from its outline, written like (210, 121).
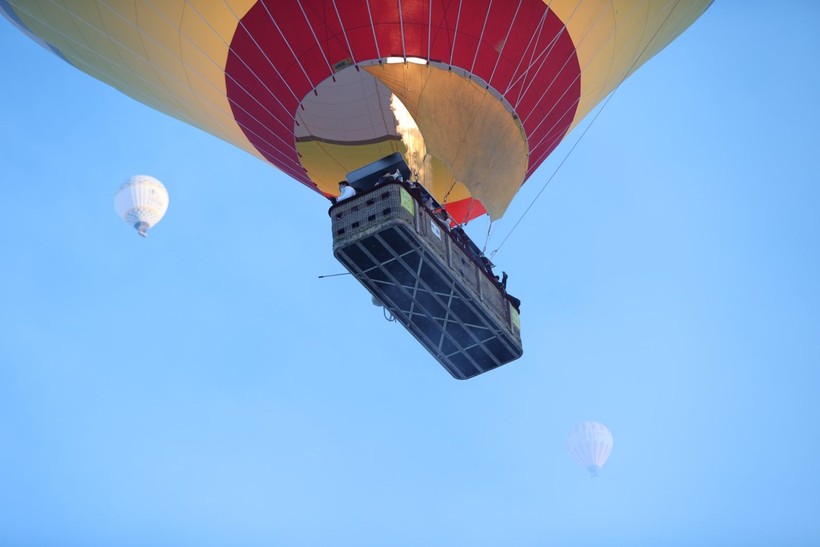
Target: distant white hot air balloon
(590, 444)
(141, 202)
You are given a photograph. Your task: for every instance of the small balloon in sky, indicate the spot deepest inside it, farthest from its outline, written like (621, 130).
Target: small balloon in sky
(141, 202)
(590, 444)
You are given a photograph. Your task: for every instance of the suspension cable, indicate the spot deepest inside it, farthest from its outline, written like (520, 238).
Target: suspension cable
(487, 239)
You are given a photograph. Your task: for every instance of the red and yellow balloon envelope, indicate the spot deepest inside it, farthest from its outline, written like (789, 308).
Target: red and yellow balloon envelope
(492, 86)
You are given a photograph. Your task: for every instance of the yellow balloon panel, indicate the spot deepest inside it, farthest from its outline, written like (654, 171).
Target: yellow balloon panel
(614, 38)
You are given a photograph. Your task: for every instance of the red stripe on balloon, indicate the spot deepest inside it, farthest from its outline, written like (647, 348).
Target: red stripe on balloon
(279, 54)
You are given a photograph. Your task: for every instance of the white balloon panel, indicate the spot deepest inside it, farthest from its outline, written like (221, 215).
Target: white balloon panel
(590, 444)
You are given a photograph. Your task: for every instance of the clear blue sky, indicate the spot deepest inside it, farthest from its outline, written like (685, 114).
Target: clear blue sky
(199, 388)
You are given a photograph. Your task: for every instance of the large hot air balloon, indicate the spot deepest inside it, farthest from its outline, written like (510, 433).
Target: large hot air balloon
(141, 202)
(319, 88)
(590, 444)
(474, 95)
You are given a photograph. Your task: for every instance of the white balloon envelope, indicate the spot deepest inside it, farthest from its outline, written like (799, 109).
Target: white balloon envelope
(141, 202)
(590, 444)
